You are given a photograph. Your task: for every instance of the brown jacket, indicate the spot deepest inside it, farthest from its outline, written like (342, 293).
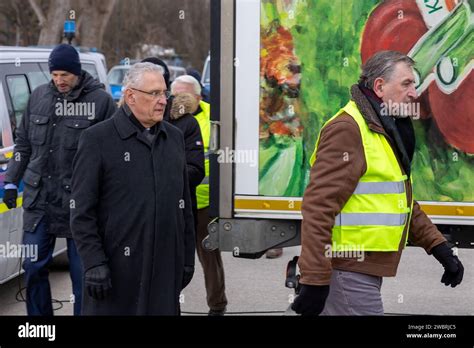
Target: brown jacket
(332, 182)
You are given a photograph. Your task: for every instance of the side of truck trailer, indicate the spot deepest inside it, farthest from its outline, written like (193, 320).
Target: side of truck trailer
(281, 68)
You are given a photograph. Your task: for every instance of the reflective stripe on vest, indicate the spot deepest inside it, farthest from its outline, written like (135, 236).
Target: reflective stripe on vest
(376, 214)
(204, 121)
(376, 219)
(380, 187)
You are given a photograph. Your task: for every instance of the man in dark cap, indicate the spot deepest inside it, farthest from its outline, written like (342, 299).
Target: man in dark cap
(166, 72)
(179, 114)
(211, 261)
(46, 142)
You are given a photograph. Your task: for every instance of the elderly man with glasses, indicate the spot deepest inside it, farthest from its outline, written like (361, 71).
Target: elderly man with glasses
(131, 210)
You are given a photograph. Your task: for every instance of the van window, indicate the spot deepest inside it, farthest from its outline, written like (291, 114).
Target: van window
(37, 78)
(19, 94)
(176, 72)
(116, 76)
(90, 68)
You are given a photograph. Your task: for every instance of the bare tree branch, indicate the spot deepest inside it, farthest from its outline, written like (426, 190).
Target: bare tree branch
(94, 18)
(38, 11)
(18, 24)
(51, 31)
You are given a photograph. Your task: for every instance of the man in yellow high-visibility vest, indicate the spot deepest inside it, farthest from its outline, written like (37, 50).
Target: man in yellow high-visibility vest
(358, 209)
(211, 261)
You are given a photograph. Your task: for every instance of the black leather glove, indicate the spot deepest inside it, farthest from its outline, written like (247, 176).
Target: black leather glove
(187, 276)
(311, 299)
(453, 268)
(98, 282)
(9, 198)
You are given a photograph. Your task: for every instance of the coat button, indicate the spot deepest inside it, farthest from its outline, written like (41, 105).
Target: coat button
(67, 186)
(54, 124)
(51, 150)
(49, 176)
(76, 125)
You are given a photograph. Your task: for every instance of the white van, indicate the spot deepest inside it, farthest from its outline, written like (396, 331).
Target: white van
(22, 69)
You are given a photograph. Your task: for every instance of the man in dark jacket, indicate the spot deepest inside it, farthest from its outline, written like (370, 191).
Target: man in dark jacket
(132, 218)
(211, 261)
(181, 116)
(46, 142)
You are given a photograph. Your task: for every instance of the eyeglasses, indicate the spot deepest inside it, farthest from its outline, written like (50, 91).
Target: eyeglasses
(155, 94)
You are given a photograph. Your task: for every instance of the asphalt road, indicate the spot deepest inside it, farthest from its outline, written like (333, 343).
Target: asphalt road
(257, 287)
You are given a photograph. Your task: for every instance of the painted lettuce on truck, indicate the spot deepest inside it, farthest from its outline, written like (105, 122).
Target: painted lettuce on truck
(311, 53)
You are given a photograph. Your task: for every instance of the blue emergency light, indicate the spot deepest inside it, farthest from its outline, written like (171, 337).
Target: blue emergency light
(69, 27)
(69, 30)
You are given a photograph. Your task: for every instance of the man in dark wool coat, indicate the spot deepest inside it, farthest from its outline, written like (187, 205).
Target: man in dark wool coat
(131, 212)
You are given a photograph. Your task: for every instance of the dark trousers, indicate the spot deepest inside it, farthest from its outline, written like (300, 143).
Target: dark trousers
(211, 262)
(38, 291)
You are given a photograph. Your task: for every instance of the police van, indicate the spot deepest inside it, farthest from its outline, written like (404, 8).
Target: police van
(117, 74)
(22, 69)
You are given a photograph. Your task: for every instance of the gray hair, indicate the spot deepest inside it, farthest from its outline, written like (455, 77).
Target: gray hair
(187, 79)
(135, 74)
(382, 64)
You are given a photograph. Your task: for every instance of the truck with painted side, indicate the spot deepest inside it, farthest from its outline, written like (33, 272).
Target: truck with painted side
(281, 68)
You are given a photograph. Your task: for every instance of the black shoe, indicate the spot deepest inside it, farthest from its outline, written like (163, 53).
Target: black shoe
(216, 312)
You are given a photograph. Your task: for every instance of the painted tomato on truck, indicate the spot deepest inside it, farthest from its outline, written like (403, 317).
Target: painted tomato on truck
(311, 53)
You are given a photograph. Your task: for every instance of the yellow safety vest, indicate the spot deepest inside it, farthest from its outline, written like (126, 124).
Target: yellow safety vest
(204, 120)
(375, 216)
